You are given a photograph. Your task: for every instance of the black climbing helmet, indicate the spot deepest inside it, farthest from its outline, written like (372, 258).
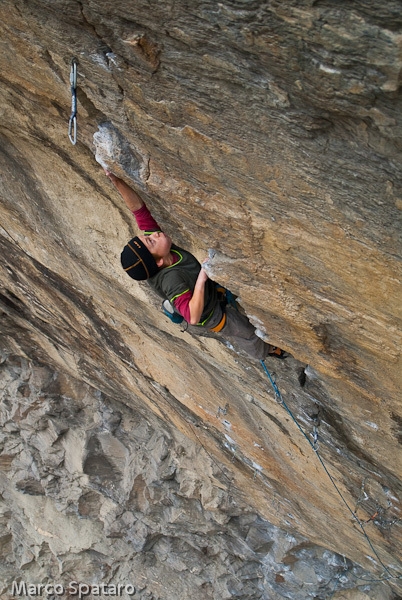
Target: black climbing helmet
(137, 261)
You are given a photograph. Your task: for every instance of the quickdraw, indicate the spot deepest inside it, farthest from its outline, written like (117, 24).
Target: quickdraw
(316, 421)
(72, 124)
(314, 446)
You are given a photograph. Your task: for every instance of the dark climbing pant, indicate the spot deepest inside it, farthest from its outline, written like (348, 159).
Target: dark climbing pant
(238, 331)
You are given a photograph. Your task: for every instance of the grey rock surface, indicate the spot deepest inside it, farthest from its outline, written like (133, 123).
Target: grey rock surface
(94, 492)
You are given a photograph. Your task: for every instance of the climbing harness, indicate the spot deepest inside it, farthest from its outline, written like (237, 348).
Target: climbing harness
(314, 446)
(72, 124)
(220, 325)
(226, 296)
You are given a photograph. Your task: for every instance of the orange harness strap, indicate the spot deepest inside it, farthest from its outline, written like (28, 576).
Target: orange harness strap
(220, 325)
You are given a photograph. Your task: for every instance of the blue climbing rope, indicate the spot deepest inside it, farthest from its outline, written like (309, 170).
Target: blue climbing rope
(314, 446)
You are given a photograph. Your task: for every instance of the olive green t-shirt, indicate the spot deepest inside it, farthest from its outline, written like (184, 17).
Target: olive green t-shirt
(171, 282)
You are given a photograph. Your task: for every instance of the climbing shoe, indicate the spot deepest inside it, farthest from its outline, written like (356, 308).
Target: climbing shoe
(278, 353)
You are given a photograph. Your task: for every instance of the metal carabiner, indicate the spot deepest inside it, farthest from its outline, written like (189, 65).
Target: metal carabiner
(73, 73)
(72, 129)
(72, 124)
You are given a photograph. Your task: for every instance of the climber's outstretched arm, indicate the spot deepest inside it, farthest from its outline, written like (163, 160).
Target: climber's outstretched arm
(131, 198)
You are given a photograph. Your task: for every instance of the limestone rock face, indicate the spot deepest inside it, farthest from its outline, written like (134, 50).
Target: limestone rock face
(267, 132)
(96, 492)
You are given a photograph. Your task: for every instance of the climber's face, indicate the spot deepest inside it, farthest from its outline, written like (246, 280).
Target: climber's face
(158, 243)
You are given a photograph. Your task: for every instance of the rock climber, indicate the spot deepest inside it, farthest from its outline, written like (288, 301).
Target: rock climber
(178, 278)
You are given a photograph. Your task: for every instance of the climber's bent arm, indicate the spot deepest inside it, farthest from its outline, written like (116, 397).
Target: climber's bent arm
(196, 304)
